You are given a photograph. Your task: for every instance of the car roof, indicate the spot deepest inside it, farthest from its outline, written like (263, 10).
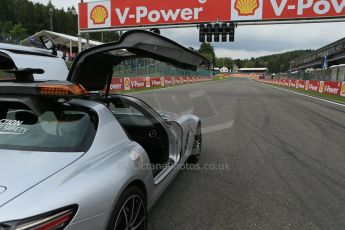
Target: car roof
(28, 57)
(25, 49)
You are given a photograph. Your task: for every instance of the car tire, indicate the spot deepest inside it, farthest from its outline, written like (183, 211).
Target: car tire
(197, 146)
(130, 211)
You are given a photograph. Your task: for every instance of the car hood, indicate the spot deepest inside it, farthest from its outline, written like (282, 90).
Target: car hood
(22, 170)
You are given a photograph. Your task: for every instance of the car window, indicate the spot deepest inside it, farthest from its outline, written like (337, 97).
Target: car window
(6, 76)
(57, 129)
(6, 64)
(128, 115)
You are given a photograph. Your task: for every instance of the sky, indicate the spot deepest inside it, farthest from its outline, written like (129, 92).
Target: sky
(254, 41)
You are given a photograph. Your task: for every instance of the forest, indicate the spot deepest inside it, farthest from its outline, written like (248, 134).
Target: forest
(276, 63)
(22, 18)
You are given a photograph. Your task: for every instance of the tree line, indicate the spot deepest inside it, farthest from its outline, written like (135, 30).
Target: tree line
(275, 63)
(22, 18)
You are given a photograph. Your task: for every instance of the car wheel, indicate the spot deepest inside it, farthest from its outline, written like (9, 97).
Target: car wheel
(196, 152)
(130, 211)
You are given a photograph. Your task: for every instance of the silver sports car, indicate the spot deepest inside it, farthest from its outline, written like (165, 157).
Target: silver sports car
(74, 156)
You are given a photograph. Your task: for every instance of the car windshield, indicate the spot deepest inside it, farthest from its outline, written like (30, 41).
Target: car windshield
(59, 128)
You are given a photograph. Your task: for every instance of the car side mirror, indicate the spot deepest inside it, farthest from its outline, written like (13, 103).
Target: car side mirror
(49, 44)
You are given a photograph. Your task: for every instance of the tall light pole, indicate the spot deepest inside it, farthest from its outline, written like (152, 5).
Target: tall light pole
(51, 13)
(79, 33)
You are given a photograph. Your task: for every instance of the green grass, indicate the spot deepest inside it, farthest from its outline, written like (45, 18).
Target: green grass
(329, 97)
(219, 78)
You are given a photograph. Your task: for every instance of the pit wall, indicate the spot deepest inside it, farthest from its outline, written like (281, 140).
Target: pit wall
(323, 87)
(137, 83)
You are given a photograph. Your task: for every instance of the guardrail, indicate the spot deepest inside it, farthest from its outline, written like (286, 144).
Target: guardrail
(324, 87)
(137, 83)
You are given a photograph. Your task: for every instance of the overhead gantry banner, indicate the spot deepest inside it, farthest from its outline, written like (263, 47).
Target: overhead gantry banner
(121, 14)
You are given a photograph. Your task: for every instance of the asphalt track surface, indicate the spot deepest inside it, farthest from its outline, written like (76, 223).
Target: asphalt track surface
(285, 156)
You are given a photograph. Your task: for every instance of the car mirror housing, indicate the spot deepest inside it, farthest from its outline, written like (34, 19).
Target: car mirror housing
(49, 44)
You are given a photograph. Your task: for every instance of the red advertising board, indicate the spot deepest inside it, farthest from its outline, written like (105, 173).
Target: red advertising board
(185, 80)
(301, 84)
(332, 87)
(285, 82)
(292, 83)
(129, 13)
(168, 80)
(117, 84)
(178, 80)
(295, 9)
(313, 86)
(156, 81)
(119, 14)
(137, 82)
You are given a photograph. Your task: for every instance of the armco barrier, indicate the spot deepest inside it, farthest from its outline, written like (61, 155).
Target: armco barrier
(324, 87)
(130, 83)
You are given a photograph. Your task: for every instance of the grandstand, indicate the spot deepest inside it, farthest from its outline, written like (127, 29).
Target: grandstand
(334, 54)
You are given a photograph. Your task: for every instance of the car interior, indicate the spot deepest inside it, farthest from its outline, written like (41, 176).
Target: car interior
(144, 129)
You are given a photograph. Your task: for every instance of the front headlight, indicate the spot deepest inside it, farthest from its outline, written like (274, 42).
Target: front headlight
(55, 220)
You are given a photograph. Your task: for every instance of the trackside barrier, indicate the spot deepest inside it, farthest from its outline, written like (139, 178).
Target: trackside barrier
(132, 83)
(241, 75)
(324, 87)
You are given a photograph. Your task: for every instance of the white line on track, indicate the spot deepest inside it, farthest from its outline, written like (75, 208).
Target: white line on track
(216, 128)
(306, 95)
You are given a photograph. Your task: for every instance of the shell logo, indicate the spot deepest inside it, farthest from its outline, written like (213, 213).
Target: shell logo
(246, 7)
(321, 87)
(343, 89)
(127, 83)
(148, 82)
(306, 85)
(99, 14)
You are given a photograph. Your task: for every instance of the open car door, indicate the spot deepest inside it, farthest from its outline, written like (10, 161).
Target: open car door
(93, 67)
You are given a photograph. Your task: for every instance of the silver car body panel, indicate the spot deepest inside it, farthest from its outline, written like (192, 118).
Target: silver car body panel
(54, 67)
(2, 189)
(102, 174)
(20, 164)
(5, 46)
(42, 182)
